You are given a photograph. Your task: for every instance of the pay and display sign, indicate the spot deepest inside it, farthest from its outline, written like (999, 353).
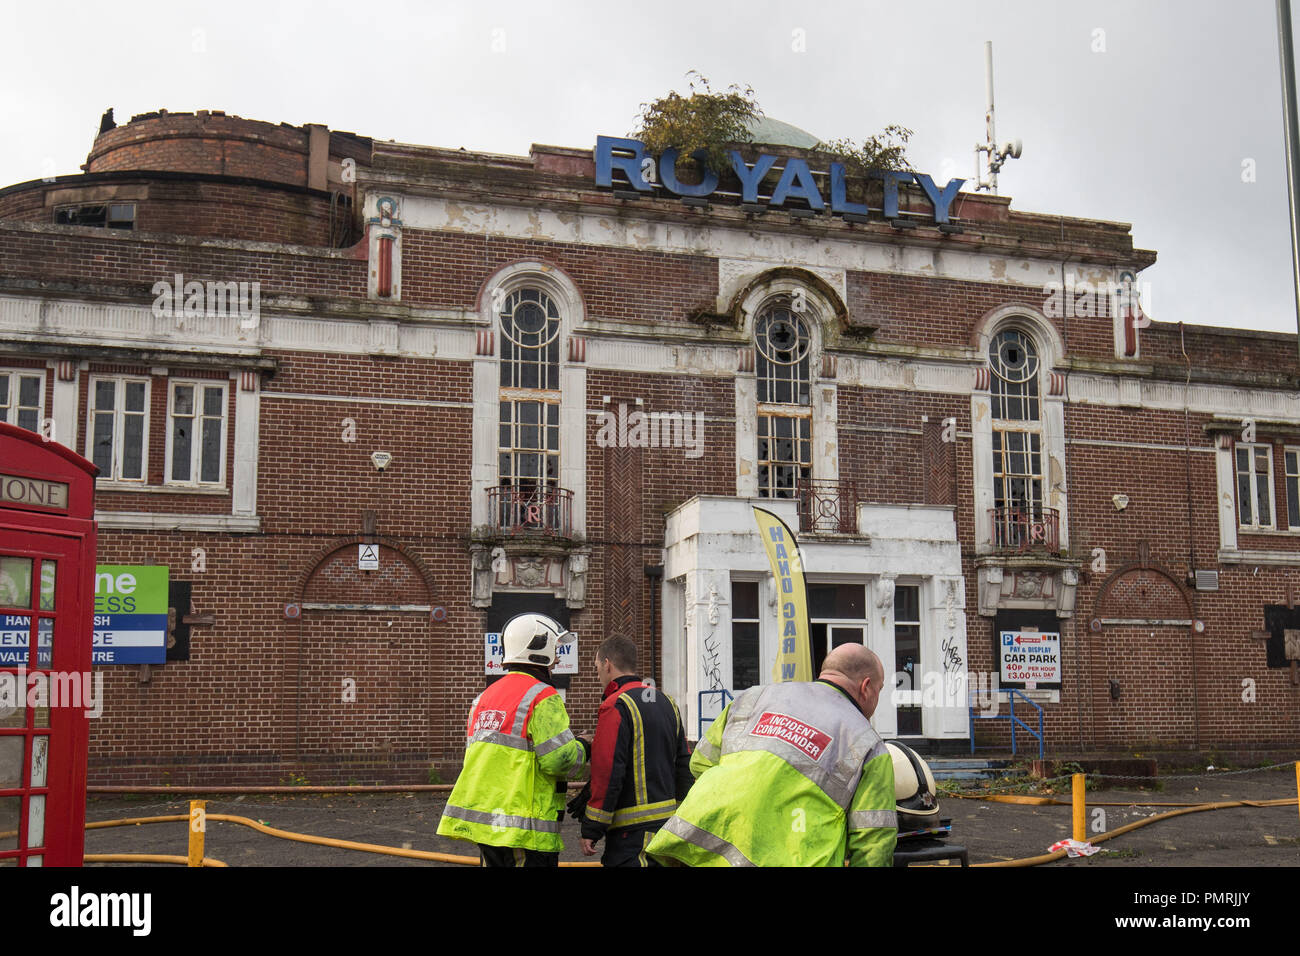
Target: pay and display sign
(1030, 658)
(566, 656)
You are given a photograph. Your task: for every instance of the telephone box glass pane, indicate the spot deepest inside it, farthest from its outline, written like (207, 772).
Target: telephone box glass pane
(13, 695)
(44, 641)
(40, 759)
(11, 762)
(9, 861)
(15, 582)
(10, 807)
(41, 713)
(36, 820)
(37, 860)
(49, 570)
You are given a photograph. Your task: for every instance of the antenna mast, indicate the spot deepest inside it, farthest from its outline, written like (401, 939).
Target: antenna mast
(996, 157)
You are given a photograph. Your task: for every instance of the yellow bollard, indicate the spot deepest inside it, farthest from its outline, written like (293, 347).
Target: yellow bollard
(1080, 811)
(198, 823)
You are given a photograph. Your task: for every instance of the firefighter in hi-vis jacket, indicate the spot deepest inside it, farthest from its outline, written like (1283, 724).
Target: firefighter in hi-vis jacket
(510, 792)
(791, 774)
(640, 766)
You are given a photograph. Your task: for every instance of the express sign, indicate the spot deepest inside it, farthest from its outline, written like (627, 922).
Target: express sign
(1030, 658)
(629, 157)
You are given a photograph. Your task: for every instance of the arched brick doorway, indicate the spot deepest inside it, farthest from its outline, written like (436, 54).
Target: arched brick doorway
(364, 669)
(1143, 692)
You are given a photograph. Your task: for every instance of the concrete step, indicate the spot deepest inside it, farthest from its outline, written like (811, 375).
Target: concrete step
(971, 768)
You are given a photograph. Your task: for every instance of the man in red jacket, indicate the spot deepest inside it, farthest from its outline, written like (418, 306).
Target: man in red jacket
(640, 767)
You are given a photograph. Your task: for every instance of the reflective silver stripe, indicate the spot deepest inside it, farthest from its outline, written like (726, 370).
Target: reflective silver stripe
(705, 746)
(839, 770)
(501, 820)
(505, 740)
(827, 780)
(706, 841)
(647, 813)
(866, 819)
(555, 743)
(521, 709)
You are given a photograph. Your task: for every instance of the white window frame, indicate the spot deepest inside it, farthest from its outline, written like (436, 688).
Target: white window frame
(796, 412)
(9, 413)
(821, 410)
(196, 444)
(1292, 482)
(1252, 448)
(487, 387)
(731, 644)
(916, 696)
(119, 420)
(1051, 418)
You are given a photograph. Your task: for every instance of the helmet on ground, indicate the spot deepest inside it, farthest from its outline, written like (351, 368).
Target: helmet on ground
(532, 639)
(913, 789)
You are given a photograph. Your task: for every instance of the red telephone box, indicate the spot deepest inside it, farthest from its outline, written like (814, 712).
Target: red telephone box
(47, 606)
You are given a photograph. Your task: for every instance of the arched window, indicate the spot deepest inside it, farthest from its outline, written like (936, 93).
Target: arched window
(528, 445)
(1017, 436)
(783, 340)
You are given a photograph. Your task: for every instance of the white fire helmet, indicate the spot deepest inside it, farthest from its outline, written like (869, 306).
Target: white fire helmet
(913, 789)
(532, 639)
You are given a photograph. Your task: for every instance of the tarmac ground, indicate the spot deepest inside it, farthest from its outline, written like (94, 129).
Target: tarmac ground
(991, 831)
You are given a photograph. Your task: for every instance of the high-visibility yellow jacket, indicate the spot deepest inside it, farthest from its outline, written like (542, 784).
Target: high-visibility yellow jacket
(519, 746)
(789, 774)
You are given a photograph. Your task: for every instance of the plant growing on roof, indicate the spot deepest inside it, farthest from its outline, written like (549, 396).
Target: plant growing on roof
(703, 121)
(886, 150)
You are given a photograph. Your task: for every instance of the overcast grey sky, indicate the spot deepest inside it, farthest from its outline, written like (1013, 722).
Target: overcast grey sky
(1142, 112)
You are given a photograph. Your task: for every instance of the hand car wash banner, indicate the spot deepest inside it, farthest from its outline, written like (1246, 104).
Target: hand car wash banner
(794, 651)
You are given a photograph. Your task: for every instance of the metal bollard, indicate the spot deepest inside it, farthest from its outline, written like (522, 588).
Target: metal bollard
(1080, 811)
(198, 823)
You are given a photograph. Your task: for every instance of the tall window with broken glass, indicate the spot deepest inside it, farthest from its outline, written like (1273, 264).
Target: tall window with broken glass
(784, 399)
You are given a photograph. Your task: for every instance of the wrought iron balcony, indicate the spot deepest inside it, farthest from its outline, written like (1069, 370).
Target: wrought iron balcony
(531, 509)
(828, 507)
(1018, 529)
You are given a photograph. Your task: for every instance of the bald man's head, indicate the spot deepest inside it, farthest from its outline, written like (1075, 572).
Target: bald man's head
(848, 666)
(855, 662)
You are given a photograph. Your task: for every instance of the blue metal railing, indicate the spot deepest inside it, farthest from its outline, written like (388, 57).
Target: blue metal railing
(724, 698)
(1012, 694)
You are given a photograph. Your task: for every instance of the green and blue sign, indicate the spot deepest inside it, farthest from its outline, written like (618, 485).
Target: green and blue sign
(130, 621)
(130, 614)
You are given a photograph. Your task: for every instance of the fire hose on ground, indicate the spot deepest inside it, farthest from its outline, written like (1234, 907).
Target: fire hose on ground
(198, 816)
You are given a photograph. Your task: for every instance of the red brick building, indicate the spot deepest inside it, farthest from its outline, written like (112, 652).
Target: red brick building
(581, 389)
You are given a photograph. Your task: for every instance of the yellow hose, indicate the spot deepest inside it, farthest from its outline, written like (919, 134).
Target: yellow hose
(474, 861)
(147, 858)
(1190, 808)
(307, 838)
(1053, 801)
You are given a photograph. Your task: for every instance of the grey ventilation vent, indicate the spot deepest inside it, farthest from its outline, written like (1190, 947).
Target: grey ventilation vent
(1207, 580)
